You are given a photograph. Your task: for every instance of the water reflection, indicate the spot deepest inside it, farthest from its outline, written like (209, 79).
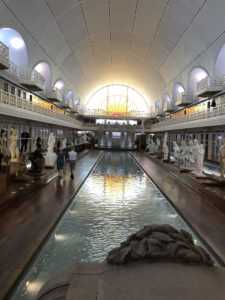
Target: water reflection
(116, 200)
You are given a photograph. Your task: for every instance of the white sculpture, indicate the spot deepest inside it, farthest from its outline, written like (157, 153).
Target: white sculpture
(64, 142)
(200, 159)
(195, 150)
(165, 147)
(182, 153)
(222, 158)
(189, 157)
(50, 156)
(157, 146)
(51, 142)
(14, 151)
(152, 147)
(176, 150)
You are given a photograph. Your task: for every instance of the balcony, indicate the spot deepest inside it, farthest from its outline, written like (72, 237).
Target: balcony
(168, 107)
(31, 79)
(210, 86)
(68, 104)
(159, 112)
(184, 100)
(53, 94)
(4, 57)
(102, 114)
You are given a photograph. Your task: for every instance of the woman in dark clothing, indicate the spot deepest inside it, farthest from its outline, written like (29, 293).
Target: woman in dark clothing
(60, 162)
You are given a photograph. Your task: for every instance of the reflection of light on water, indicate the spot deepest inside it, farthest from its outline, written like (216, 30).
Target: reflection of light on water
(34, 286)
(61, 237)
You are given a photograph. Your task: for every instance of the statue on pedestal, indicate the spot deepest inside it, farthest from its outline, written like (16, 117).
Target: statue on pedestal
(152, 147)
(182, 153)
(64, 143)
(3, 141)
(157, 146)
(189, 159)
(222, 158)
(195, 150)
(165, 147)
(51, 156)
(14, 151)
(176, 150)
(200, 159)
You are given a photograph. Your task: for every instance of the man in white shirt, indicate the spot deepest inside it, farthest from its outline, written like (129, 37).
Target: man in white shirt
(72, 161)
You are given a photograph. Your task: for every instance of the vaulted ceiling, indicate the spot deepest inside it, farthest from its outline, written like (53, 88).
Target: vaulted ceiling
(142, 43)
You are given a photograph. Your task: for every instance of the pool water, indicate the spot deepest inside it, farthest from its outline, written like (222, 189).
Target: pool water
(117, 199)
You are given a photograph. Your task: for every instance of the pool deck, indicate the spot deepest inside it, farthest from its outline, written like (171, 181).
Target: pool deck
(26, 223)
(204, 211)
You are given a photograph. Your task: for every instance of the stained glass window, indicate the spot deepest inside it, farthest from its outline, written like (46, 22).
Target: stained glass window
(117, 100)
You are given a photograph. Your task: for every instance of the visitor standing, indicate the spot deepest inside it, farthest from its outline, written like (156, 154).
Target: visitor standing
(24, 140)
(60, 162)
(72, 161)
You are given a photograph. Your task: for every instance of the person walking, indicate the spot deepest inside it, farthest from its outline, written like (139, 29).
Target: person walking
(24, 140)
(72, 161)
(60, 162)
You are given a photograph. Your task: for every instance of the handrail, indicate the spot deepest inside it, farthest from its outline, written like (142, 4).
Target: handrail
(213, 112)
(13, 100)
(101, 112)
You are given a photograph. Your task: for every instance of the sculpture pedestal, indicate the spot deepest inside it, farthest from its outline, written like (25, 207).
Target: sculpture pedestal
(3, 183)
(50, 159)
(41, 163)
(13, 166)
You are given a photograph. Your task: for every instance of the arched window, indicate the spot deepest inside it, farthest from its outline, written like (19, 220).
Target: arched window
(117, 100)
(60, 85)
(177, 90)
(44, 69)
(165, 99)
(17, 47)
(196, 75)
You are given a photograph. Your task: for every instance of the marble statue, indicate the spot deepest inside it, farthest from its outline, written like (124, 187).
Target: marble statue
(159, 243)
(200, 159)
(182, 153)
(222, 158)
(64, 143)
(3, 141)
(165, 147)
(189, 159)
(152, 147)
(195, 150)
(51, 142)
(157, 146)
(176, 150)
(50, 156)
(14, 151)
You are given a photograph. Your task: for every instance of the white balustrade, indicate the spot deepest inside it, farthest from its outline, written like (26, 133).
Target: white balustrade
(210, 85)
(53, 94)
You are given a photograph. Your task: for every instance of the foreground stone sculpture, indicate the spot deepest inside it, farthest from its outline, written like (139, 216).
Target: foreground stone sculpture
(50, 157)
(14, 151)
(159, 242)
(176, 151)
(165, 147)
(140, 279)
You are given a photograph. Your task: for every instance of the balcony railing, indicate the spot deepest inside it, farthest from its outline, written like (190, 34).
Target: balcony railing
(53, 94)
(184, 100)
(4, 56)
(210, 85)
(13, 100)
(103, 113)
(213, 112)
(168, 107)
(31, 79)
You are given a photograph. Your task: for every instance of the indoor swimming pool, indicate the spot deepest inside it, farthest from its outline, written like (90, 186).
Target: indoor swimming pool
(117, 199)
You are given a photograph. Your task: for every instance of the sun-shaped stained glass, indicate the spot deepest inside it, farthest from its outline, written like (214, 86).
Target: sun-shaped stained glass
(117, 100)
